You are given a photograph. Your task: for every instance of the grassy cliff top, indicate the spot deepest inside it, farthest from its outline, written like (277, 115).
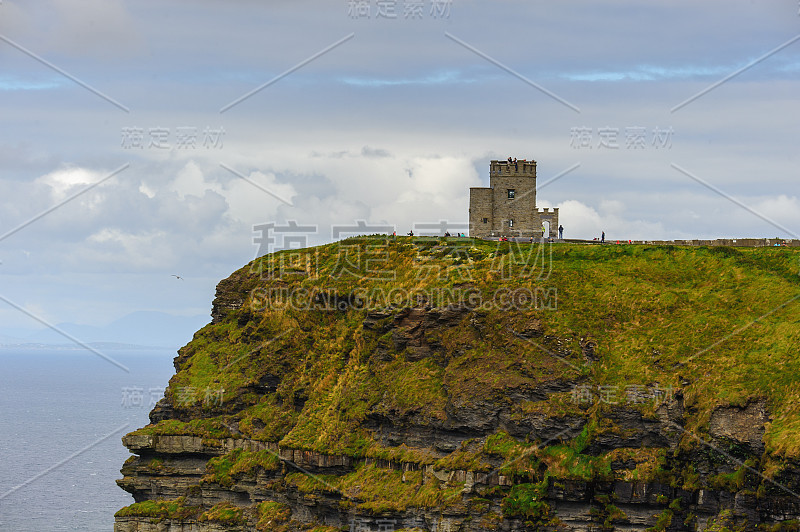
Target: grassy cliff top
(314, 348)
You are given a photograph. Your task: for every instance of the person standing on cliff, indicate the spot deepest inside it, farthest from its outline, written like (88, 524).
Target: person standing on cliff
(561, 232)
(603, 237)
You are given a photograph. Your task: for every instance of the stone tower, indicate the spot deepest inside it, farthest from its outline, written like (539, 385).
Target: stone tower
(508, 206)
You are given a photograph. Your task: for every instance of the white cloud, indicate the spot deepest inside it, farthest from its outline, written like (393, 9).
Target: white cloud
(189, 181)
(585, 222)
(783, 210)
(147, 191)
(70, 179)
(261, 194)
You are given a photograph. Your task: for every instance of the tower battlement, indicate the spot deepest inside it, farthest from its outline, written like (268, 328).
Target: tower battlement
(507, 207)
(521, 167)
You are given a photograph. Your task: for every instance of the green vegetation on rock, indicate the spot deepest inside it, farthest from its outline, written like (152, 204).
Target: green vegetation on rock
(160, 510)
(544, 365)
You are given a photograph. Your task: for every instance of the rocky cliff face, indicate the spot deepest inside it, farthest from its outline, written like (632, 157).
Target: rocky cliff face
(324, 399)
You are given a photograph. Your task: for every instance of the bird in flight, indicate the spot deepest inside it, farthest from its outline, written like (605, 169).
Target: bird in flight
(177, 277)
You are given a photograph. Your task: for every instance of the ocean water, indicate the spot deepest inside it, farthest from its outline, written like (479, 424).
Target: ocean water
(62, 415)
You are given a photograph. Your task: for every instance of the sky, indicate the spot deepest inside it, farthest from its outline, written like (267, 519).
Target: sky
(144, 140)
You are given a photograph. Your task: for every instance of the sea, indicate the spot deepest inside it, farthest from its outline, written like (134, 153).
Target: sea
(63, 413)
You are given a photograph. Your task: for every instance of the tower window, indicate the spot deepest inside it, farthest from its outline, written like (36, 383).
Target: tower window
(510, 193)
(486, 220)
(511, 223)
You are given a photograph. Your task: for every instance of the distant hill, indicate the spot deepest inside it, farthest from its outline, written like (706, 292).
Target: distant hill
(146, 328)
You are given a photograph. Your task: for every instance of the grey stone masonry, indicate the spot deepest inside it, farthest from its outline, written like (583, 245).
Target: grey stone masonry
(508, 206)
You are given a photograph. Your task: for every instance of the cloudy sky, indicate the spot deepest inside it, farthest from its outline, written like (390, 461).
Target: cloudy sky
(143, 139)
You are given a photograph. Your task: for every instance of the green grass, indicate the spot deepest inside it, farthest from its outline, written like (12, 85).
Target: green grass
(206, 428)
(527, 500)
(732, 482)
(272, 516)
(377, 490)
(224, 469)
(160, 509)
(224, 513)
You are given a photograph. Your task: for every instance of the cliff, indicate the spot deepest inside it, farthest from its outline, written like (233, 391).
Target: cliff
(432, 385)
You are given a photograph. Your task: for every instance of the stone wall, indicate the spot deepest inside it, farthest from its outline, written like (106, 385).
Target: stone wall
(550, 216)
(480, 209)
(521, 209)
